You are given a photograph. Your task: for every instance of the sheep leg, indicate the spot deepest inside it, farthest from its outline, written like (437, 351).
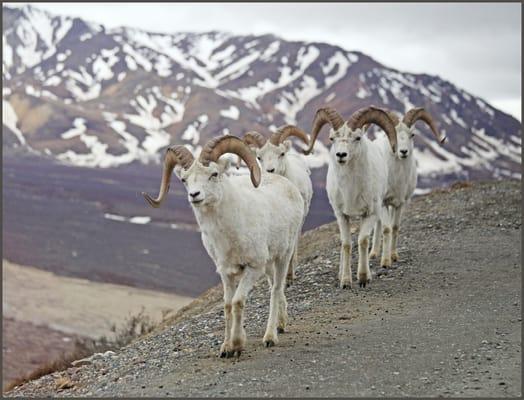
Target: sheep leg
(397, 213)
(228, 282)
(375, 250)
(344, 274)
(269, 281)
(363, 272)
(291, 276)
(277, 304)
(238, 334)
(282, 312)
(292, 263)
(385, 261)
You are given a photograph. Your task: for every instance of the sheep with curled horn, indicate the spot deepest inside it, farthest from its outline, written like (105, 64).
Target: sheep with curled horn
(275, 157)
(249, 226)
(356, 183)
(403, 181)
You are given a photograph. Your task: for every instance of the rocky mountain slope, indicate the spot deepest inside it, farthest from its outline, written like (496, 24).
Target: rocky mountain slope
(87, 95)
(445, 322)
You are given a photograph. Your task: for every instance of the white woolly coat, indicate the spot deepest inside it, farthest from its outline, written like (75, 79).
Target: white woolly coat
(297, 171)
(359, 187)
(402, 177)
(251, 226)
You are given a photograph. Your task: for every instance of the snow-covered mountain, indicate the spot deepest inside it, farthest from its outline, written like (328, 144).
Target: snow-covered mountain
(91, 96)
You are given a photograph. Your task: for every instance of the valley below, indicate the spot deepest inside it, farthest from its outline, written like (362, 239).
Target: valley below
(43, 314)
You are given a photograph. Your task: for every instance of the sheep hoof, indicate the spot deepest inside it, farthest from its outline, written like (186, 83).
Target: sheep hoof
(269, 343)
(394, 257)
(346, 284)
(227, 354)
(224, 349)
(363, 280)
(280, 330)
(238, 353)
(373, 255)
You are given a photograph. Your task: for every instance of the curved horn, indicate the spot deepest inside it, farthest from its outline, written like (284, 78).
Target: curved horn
(419, 113)
(393, 116)
(323, 116)
(231, 144)
(174, 155)
(252, 138)
(375, 115)
(286, 131)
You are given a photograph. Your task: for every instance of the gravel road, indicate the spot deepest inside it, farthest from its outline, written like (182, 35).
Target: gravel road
(446, 321)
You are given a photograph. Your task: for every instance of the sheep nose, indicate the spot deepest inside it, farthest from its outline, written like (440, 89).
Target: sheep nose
(194, 194)
(403, 152)
(271, 170)
(342, 154)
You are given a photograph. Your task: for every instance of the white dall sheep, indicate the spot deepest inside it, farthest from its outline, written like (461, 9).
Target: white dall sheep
(274, 157)
(401, 183)
(356, 183)
(248, 228)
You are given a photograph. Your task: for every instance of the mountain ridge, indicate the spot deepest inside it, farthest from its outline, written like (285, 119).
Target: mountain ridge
(187, 87)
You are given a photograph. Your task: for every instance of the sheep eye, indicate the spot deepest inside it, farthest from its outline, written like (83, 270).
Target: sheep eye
(259, 159)
(281, 154)
(331, 138)
(412, 135)
(183, 180)
(213, 175)
(357, 138)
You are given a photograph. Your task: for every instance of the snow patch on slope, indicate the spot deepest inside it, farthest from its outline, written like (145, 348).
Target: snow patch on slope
(305, 57)
(232, 113)
(291, 103)
(10, 119)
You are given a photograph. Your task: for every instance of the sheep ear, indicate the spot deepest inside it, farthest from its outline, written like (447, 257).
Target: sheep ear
(286, 145)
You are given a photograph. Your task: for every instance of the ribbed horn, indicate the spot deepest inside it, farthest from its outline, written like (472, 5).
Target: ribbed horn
(420, 113)
(174, 155)
(252, 139)
(375, 115)
(218, 146)
(393, 116)
(286, 131)
(322, 117)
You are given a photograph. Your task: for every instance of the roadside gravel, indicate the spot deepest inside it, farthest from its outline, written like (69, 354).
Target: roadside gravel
(446, 321)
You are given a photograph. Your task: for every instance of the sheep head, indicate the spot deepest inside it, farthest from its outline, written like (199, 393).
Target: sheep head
(203, 177)
(346, 136)
(406, 130)
(271, 155)
(176, 156)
